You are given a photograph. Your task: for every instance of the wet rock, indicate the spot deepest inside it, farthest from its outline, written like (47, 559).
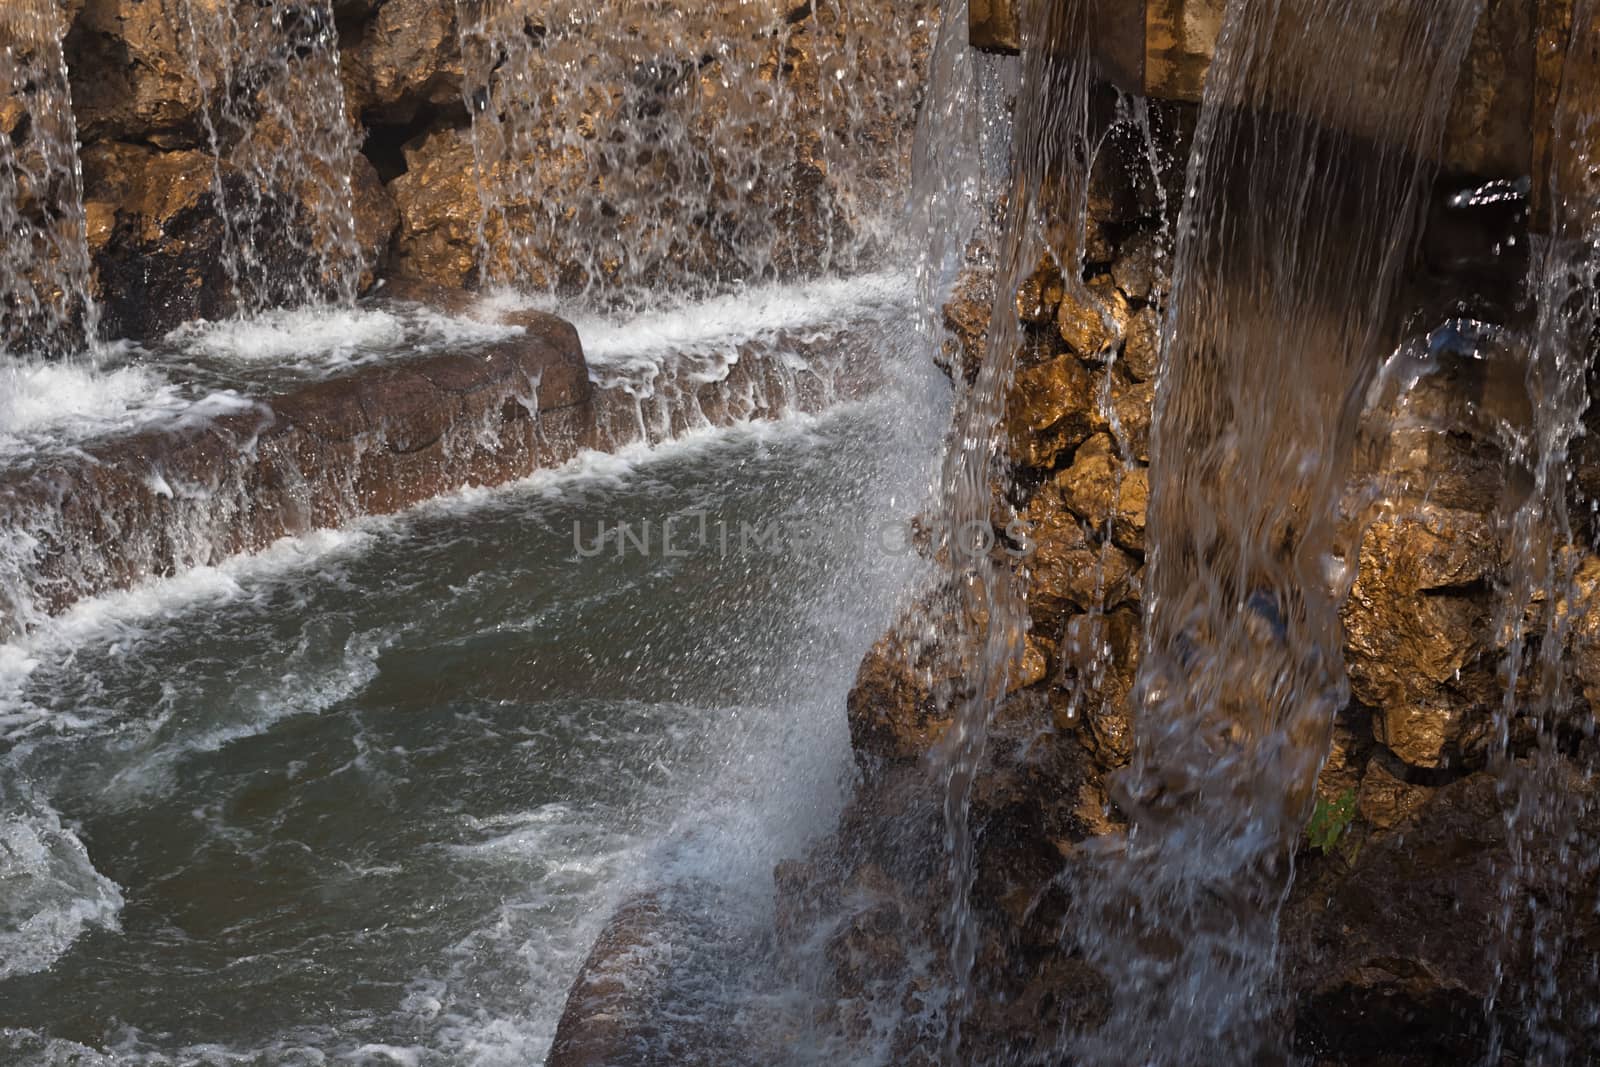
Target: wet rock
(1133, 403)
(1094, 319)
(867, 948)
(1351, 747)
(437, 200)
(1099, 660)
(159, 242)
(966, 315)
(377, 218)
(1050, 411)
(1141, 269)
(1068, 572)
(1386, 799)
(1040, 294)
(374, 442)
(1413, 621)
(144, 87)
(1585, 606)
(893, 715)
(1100, 489)
(647, 993)
(1372, 961)
(1141, 352)
(408, 57)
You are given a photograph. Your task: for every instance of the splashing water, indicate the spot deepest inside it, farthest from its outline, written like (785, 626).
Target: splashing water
(1303, 174)
(284, 148)
(45, 302)
(1551, 854)
(622, 149)
(982, 633)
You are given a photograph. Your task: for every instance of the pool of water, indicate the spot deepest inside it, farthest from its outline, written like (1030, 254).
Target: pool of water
(371, 794)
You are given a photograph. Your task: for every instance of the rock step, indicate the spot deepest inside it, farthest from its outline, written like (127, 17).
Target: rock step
(374, 442)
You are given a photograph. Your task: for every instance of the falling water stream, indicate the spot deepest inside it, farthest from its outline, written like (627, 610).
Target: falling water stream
(273, 108)
(45, 304)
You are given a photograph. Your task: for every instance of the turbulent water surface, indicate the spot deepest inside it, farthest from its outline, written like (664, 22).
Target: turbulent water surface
(371, 794)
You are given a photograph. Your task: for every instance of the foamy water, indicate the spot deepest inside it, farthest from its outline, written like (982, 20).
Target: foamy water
(760, 313)
(50, 893)
(330, 340)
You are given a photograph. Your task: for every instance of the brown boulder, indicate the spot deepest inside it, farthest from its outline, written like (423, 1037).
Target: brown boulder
(1094, 318)
(1141, 269)
(437, 200)
(408, 57)
(1099, 661)
(1413, 622)
(1141, 353)
(1100, 488)
(158, 241)
(1069, 572)
(144, 86)
(893, 715)
(1050, 411)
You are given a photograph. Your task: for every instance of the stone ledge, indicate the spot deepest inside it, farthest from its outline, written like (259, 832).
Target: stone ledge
(374, 442)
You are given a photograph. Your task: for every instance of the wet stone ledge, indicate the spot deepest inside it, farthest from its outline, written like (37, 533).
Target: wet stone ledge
(377, 441)
(374, 442)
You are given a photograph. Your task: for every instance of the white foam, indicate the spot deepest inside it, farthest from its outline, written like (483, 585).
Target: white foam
(753, 314)
(45, 402)
(49, 892)
(329, 339)
(324, 335)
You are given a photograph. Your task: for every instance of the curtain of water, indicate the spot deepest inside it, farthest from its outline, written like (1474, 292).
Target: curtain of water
(276, 122)
(1548, 854)
(45, 301)
(982, 631)
(1303, 200)
(622, 149)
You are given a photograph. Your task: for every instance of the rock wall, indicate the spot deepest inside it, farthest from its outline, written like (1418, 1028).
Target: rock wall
(1400, 924)
(197, 119)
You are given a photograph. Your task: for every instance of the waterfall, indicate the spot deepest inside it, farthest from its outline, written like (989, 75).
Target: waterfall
(283, 148)
(45, 301)
(982, 618)
(1304, 176)
(625, 149)
(1551, 855)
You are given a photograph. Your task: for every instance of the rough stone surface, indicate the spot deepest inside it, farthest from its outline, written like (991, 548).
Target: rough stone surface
(1094, 320)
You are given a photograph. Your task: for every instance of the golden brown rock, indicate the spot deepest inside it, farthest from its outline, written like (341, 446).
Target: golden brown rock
(966, 315)
(377, 217)
(1067, 570)
(1409, 633)
(437, 199)
(1101, 488)
(1099, 659)
(144, 88)
(1141, 267)
(407, 57)
(1133, 404)
(1040, 294)
(1093, 320)
(159, 241)
(892, 713)
(1050, 411)
(1141, 352)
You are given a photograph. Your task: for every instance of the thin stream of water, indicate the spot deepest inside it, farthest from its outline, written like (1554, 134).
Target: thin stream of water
(46, 307)
(1550, 855)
